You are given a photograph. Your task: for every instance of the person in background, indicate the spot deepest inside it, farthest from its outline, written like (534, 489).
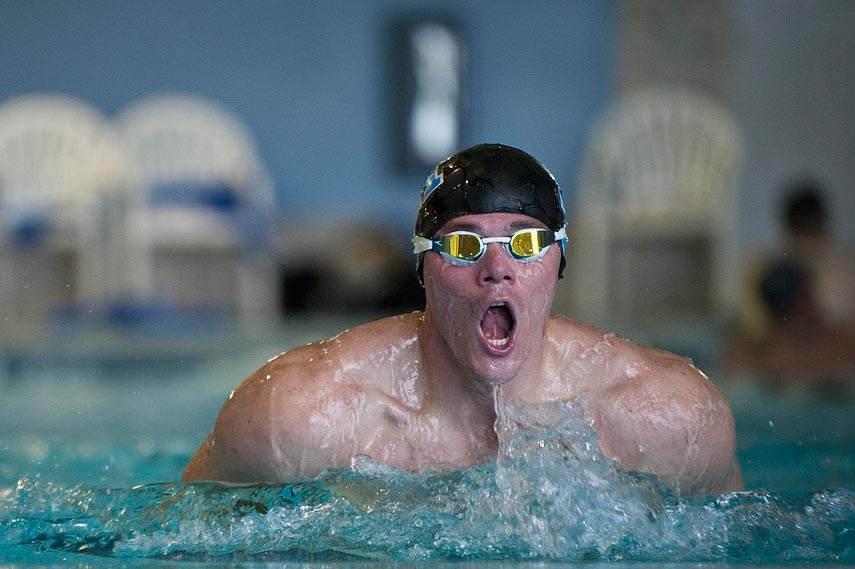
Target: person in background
(800, 346)
(802, 301)
(417, 391)
(809, 242)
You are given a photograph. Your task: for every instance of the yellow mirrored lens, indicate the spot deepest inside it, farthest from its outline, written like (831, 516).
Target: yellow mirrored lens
(462, 246)
(526, 243)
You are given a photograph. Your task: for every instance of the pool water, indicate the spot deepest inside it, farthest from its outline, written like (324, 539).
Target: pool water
(88, 469)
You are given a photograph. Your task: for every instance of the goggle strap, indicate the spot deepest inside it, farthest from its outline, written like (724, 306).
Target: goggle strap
(423, 244)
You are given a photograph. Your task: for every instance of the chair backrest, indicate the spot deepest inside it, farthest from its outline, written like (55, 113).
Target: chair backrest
(659, 150)
(57, 151)
(180, 139)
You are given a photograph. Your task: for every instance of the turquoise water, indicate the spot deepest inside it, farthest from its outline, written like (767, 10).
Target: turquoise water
(88, 478)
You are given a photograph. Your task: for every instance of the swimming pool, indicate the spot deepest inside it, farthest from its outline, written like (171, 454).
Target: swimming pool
(94, 436)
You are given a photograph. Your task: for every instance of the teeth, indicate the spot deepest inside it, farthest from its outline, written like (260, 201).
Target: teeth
(498, 343)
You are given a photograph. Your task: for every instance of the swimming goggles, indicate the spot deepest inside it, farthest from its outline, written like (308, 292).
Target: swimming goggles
(465, 247)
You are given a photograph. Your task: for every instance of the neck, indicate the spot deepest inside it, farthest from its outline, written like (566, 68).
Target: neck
(451, 384)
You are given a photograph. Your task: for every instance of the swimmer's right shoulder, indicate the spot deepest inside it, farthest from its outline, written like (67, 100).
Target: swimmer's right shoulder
(271, 425)
(352, 349)
(390, 330)
(364, 342)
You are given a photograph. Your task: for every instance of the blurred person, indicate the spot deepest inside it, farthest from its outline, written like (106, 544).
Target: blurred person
(417, 391)
(800, 313)
(809, 243)
(801, 347)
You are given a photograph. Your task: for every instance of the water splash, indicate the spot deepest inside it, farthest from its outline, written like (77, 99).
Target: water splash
(550, 495)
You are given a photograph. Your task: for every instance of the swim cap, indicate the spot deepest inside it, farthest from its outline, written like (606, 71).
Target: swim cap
(489, 178)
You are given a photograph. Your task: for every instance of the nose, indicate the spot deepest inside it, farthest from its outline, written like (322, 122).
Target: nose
(496, 265)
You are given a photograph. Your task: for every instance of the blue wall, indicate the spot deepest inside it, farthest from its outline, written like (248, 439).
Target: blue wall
(310, 79)
(792, 86)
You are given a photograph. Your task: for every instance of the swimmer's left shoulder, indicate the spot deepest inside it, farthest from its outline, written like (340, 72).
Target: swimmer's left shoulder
(562, 329)
(637, 366)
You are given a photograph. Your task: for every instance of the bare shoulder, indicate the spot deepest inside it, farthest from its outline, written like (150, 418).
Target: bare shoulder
(653, 410)
(623, 365)
(662, 415)
(590, 358)
(279, 422)
(245, 444)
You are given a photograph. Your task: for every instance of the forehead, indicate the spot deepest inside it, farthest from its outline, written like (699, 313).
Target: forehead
(491, 223)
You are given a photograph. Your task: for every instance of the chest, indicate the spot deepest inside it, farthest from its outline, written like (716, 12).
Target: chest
(418, 441)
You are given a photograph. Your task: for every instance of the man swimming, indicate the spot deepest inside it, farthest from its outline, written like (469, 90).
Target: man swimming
(417, 391)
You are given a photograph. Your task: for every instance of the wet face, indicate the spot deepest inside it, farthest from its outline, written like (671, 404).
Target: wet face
(490, 316)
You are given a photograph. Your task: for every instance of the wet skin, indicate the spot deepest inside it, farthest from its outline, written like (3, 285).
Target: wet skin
(417, 391)
(459, 299)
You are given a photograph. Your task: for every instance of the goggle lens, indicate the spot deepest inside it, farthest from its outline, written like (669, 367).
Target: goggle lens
(527, 243)
(463, 246)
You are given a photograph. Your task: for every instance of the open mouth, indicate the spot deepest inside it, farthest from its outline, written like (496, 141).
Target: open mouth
(497, 324)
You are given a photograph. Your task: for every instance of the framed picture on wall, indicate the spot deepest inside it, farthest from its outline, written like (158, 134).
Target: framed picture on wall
(426, 84)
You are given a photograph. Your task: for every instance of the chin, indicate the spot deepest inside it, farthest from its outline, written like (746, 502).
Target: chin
(498, 373)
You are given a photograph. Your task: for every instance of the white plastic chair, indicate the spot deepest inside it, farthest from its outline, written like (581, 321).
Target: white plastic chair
(61, 167)
(653, 217)
(197, 216)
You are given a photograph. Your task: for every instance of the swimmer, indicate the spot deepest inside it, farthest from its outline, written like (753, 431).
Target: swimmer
(417, 391)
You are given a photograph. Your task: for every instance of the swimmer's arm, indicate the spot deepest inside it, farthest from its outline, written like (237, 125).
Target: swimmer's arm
(673, 424)
(263, 433)
(236, 450)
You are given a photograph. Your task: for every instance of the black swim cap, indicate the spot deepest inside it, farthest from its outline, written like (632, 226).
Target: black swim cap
(489, 178)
